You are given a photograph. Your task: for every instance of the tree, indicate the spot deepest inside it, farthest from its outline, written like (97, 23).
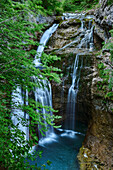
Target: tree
(16, 68)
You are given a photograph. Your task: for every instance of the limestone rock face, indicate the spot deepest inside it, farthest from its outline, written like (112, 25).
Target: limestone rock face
(104, 19)
(104, 16)
(90, 104)
(99, 138)
(97, 149)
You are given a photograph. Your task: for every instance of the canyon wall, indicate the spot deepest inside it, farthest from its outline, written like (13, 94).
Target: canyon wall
(97, 149)
(91, 106)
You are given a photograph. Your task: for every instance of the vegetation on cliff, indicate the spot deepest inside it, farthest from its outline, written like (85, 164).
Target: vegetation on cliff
(18, 36)
(106, 70)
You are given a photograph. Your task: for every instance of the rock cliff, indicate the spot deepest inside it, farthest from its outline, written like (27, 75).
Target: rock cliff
(92, 106)
(97, 150)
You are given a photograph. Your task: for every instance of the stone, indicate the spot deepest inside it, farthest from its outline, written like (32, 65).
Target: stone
(99, 57)
(91, 107)
(104, 16)
(105, 50)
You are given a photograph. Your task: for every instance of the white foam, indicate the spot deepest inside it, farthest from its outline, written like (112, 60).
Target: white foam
(60, 130)
(51, 138)
(69, 133)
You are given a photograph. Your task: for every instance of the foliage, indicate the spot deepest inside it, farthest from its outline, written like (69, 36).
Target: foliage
(109, 2)
(109, 45)
(53, 6)
(72, 5)
(16, 69)
(107, 74)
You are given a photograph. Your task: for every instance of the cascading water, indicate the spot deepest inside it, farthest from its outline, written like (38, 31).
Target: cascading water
(19, 98)
(42, 95)
(86, 42)
(47, 34)
(83, 25)
(72, 94)
(62, 147)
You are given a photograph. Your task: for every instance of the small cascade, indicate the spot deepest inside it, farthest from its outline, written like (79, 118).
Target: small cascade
(87, 41)
(73, 15)
(19, 98)
(82, 25)
(43, 95)
(72, 94)
(47, 34)
(90, 24)
(26, 116)
(85, 35)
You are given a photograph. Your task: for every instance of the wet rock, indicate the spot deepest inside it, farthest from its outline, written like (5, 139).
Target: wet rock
(104, 16)
(105, 50)
(67, 23)
(100, 32)
(99, 57)
(90, 12)
(58, 19)
(98, 147)
(47, 20)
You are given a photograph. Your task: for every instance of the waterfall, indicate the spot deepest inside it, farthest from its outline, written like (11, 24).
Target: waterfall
(44, 39)
(82, 25)
(86, 42)
(72, 94)
(43, 95)
(18, 99)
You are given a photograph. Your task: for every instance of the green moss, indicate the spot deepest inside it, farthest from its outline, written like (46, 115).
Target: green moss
(87, 160)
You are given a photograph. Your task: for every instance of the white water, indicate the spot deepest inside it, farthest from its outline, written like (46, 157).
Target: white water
(87, 40)
(44, 39)
(43, 95)
(83, 25)
(85, 35)
(87, 43)
(18, 114)
(61, 147)
(72, 94)
(73, 15)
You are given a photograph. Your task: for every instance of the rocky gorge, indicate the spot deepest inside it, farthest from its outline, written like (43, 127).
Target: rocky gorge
(92, 107)
(56, 79)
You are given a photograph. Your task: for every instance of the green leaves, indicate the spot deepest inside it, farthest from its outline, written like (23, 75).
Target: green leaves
(106, 84)
(18, 34)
